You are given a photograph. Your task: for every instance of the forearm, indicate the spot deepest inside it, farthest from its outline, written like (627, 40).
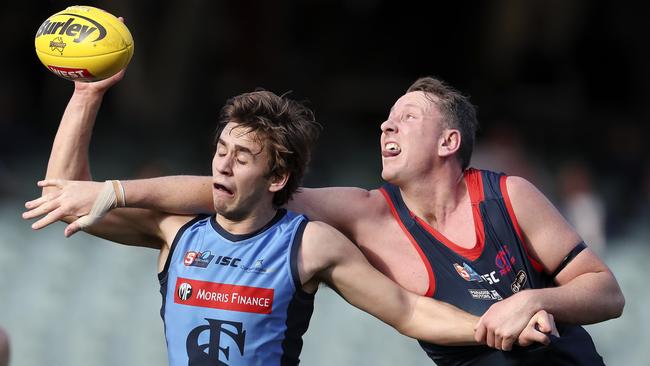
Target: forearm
(589, 298)
(440, 323)
(69, 156)
(174, 194)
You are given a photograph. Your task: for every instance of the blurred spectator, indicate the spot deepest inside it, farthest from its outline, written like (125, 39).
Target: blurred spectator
(4, 348)
(582, 205)
(504, 149)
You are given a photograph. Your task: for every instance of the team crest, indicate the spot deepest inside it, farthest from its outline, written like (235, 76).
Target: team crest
(467, 272)
(462, 272)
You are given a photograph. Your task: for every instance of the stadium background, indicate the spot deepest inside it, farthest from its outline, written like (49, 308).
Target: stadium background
(562, 90)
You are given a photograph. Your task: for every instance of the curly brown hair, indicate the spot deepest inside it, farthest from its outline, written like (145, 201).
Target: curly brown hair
(286, 128)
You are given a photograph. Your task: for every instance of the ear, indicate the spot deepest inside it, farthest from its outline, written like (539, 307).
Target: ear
(278, 182)
(449, 142)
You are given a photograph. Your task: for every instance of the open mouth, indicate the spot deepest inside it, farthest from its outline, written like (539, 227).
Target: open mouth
(391, 149)
(222, 188)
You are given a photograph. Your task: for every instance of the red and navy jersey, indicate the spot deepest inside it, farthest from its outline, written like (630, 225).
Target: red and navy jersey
(497, 267)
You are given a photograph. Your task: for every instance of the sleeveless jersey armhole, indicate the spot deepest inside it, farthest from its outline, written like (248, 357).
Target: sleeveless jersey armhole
(163, 274)
(293, 261)
(511, 212)
(432, 279)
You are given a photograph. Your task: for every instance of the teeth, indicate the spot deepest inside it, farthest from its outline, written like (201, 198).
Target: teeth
(391, 146)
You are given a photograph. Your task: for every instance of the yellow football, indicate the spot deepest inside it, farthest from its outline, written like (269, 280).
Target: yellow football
(83, 43)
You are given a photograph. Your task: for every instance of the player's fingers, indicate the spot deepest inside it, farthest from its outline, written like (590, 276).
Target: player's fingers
(530, 336)
(30, 205)
(72, 229)
(120, 75)
(50, 218)
(554, 330)
(543, 322)
(80, 224)
(41, 210)
(121, 19)
(498, 341)
(507, 342)
(51, 183)
(489, 339)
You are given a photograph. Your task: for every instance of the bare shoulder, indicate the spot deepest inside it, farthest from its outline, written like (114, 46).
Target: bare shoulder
(323, 246)
(521, 188)
(324, 237)
(170, 225)
(377, 202)
(549, 236)
(529, 202)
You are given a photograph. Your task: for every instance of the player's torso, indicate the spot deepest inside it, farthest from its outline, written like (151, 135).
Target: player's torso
(382, 241)
(478, 251)
(228, 299)
(472, 277)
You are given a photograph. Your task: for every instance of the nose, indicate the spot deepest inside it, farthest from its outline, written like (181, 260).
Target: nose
(388, 126)
(222, 164)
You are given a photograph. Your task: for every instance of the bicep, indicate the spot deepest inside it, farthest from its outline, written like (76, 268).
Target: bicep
(137, 227)
(349, 273)
(340, 207)
(548, 236)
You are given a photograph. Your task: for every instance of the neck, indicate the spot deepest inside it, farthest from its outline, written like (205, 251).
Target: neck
(437, 195)
(249, 223)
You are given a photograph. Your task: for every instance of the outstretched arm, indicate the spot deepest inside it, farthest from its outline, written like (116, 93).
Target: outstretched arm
(187, 194)
(75, 198)
(586, 291)
(69, 155)
(69, 160)
(332, 258)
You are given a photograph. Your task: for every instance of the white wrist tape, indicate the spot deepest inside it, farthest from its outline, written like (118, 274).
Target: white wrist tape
(111, 196)
(120, 198)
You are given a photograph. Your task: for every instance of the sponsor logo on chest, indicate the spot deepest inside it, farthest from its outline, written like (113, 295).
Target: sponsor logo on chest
(223, 296)
(469, 274)
(483, 294)
(203, 259)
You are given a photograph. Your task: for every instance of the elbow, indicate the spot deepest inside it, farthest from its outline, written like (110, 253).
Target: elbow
(618, 303)
(405, 329)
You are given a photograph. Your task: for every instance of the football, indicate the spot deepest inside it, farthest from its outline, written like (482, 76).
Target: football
(83, 43)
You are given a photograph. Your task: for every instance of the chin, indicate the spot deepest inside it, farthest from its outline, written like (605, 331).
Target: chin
(387, 175)
(220, 207)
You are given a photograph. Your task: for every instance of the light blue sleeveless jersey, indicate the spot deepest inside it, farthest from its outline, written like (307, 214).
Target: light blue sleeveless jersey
(235, 299)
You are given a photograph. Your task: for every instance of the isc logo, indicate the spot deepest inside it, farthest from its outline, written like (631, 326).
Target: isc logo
(228, 261)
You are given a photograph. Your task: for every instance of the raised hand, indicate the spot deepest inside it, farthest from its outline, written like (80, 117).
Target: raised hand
(99, 86)
(70, 198)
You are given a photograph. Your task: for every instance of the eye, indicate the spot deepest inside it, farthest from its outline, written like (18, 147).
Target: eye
(242, 159)
(410, 116)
